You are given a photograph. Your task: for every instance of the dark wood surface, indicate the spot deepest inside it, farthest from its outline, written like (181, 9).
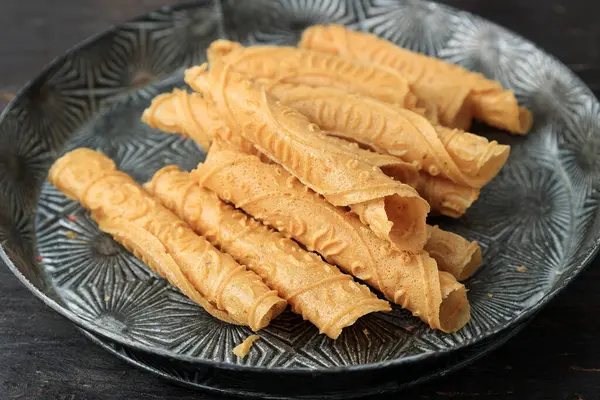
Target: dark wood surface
(42, 356)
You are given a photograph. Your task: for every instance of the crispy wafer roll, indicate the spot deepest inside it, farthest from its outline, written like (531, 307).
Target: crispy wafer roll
(393, 210)
(298, 66)
(273, 196)
(444, 197)
(123, 209)
(457, 92)
(193, 116)
(453, 253)
(316, 290)
(461, 157)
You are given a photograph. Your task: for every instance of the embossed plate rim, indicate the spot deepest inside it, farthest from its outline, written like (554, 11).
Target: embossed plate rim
(532, 309)
(496, 343)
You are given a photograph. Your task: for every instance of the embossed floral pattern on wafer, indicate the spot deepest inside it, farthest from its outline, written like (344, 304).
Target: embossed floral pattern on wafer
(123, 209)
(316, 290)
(431, 79)
(393, 210)
(273, 196)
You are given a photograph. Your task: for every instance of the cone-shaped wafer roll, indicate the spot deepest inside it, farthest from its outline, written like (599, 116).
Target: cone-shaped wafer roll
(444, 196)
(316, 290)
(193, 116)
(393, 210)
(457, 91)
(123, 209)
(461, 157)
(453, 253)
(273, 196)
(300, 66)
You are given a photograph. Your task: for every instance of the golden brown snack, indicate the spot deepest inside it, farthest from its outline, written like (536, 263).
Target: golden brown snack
(123, 209)
(300, 66)
(316, 290)
(193, 116)
(453, 253)
(242, 349)
(275, 197)
(444, 197)
(461, 157)
(393, 210)
(458, 92)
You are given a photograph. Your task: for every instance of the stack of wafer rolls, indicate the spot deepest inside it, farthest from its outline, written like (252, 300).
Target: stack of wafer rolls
(461, 157)
(393, 210)
(298, 66)
(165, 243)
(273, 196)
(345, 146)
(458, 94)
(316, 290)
(452, 252)
(195, 117)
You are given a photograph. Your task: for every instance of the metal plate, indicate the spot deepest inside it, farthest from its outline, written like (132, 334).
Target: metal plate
(541, 211)
(307, 387)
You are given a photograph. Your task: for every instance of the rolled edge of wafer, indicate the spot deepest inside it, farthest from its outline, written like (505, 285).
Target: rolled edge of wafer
(453, 253)
(316, 290)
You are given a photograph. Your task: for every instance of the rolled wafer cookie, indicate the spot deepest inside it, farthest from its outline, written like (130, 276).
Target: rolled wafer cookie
(273, 196)
(301, 66)
(316, 290)
(458, 93)
(462, 157)
(444, 197)
(453, 253)
(193, 116)
(393, 210)
(155, 235)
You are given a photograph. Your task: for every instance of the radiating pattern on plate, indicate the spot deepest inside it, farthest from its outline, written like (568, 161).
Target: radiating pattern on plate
(540, 213)
(132, 309)
(417, 25)
(548, 88)
(76, 253)
(484, 47)
(580, 148)
(138, 53)
(23, 163)
(529, 201)
(282, 22)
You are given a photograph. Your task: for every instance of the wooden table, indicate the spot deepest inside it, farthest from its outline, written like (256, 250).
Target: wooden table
(42, 356)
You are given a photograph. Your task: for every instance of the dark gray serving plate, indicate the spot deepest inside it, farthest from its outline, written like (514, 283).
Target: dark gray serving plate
(540, 212)
(266, 386)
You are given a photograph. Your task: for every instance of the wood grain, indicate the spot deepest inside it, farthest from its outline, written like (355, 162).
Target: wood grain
(42, 356)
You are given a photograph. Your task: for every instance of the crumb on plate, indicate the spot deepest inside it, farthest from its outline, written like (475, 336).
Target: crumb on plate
(242, 349)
